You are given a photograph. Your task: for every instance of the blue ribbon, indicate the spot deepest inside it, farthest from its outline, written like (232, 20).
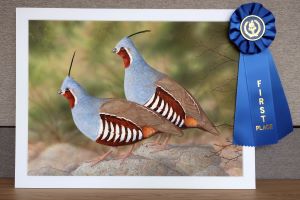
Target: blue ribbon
(262, 114)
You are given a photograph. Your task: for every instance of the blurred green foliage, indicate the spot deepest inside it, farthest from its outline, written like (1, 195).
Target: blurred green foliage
(198, 55)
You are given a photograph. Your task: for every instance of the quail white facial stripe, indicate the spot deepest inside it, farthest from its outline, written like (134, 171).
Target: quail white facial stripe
(74, 96)
(166, 109)
(170, 113)
(129, 54)
(105, 130)
(123, 133)
(134, 135)
(154, 105)
(150, 101)
(161, 106)
(140, 134)
(128, 135)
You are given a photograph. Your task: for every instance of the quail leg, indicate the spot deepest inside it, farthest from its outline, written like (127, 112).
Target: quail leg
(155, 142)
(99, 158)
(126, 155)
(165, 143)
(163, 146)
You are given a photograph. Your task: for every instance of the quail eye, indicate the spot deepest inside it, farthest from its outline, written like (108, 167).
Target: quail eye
(67, 89)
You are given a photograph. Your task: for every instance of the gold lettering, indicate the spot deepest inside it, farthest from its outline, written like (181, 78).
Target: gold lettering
(264, 127)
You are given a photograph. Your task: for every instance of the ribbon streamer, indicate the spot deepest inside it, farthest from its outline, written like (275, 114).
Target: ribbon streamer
(262, 114)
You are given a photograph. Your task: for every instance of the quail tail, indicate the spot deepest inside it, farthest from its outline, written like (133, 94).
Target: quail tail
(203, 124)
(209, 127)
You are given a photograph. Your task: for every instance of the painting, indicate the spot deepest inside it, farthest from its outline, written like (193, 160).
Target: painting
(132, 101)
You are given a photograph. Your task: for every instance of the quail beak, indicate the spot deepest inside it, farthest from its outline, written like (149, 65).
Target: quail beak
(60, 92)
(115, 50)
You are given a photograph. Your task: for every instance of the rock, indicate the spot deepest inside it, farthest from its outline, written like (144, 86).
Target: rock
(176, 160)
(35, 149)
(47, 171)
(232, 159)
(187, 159)
(63, 156)
(132, 166)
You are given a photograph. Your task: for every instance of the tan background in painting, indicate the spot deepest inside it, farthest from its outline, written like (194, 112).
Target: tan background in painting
(277, 161)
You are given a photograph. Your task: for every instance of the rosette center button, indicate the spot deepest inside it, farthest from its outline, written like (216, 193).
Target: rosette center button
(252, 28)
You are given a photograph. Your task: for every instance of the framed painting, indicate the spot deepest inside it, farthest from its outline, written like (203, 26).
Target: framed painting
(147, 100)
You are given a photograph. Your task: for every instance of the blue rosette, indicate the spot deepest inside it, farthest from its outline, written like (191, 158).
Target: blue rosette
(262, 114)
